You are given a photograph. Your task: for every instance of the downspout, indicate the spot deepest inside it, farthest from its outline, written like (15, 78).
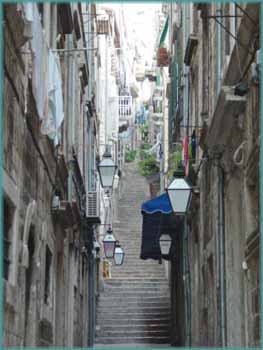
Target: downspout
(218, 52)
(261, 184)
(187, 284)
(184, 284)
(90, 233)
(221, 237)
(189, 311)
(70, 111)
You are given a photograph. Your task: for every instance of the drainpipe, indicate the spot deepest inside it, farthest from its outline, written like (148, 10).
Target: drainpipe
(90, 186)
(187, 284)
(221, 250)
(218, 51)
(261, 188)
(189, 310)
(185, 287)
(70, 111)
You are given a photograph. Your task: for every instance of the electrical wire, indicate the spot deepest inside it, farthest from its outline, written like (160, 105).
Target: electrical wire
(245, 13)
(233, 36)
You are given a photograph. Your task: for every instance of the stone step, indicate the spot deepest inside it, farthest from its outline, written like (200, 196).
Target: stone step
(138, 327)
(135, 262)
(135, 274)
(131, 317)
(133, 303)
(134, 306)
(134, 310)
(135, 333)
(132, 282)
(149, 297)
(137, 288)
(150, 291)
(139, 267)
(133, 340)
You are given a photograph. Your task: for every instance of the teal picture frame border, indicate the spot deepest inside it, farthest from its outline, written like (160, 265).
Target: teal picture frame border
(1, 172)
(139, 347)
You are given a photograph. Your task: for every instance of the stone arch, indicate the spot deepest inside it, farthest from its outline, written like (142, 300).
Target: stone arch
(30, 213)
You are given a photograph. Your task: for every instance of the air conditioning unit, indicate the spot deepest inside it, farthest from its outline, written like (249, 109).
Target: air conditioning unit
(93, 207)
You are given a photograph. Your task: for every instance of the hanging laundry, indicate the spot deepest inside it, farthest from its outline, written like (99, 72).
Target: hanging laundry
(40, 59)
(54, 103)
(193, 144)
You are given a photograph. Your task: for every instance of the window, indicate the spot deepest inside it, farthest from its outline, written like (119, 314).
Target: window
(40, 7)
(47, 275)
(29, 279)
(8, 222)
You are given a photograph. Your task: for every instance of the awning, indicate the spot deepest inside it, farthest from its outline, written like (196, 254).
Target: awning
(159, 204)
(158, 219)
(164, 32)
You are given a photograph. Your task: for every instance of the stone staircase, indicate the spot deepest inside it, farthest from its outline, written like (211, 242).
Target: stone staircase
(134, 307)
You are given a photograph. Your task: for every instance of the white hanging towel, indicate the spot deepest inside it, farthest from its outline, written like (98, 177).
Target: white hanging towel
(53, 120)
(40, 58)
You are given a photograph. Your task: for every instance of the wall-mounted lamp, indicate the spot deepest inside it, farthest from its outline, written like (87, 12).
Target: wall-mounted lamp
(118, 254)
(109, 244)
(179, 193)
(107, 169)
(165, 244)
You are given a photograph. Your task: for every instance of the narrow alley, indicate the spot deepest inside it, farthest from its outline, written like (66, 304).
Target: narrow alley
(132, 174)
(134, 306)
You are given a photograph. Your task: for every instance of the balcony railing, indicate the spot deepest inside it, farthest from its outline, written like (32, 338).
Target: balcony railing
(125, 104)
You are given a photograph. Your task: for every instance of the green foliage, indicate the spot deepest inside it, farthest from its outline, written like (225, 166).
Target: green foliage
(148, 166)
(142, 151)
(175, 160)
(144, 129)
(146, 104)
(130, 155)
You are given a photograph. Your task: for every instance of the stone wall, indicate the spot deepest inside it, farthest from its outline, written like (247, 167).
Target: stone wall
(45, 287)
(223, 220)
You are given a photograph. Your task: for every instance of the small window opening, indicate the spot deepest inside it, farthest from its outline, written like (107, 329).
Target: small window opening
(8, 222)
(47, 275)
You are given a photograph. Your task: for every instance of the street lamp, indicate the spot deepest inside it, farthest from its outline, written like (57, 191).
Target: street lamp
(97, 248)
(118, 254)
(165, 244)
(179, 193)
(109, 243)
(107, 169)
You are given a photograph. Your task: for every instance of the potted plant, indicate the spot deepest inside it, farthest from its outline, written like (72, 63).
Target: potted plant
(149, 168)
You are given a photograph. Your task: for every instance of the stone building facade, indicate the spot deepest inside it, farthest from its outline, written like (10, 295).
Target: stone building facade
(215, 271)
(49, 260)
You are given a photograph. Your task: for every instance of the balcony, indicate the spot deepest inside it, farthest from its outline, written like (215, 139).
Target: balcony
(125, 107)
(102, 27)
(162, 57)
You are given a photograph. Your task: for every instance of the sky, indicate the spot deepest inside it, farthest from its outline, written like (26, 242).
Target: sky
(140, 25)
